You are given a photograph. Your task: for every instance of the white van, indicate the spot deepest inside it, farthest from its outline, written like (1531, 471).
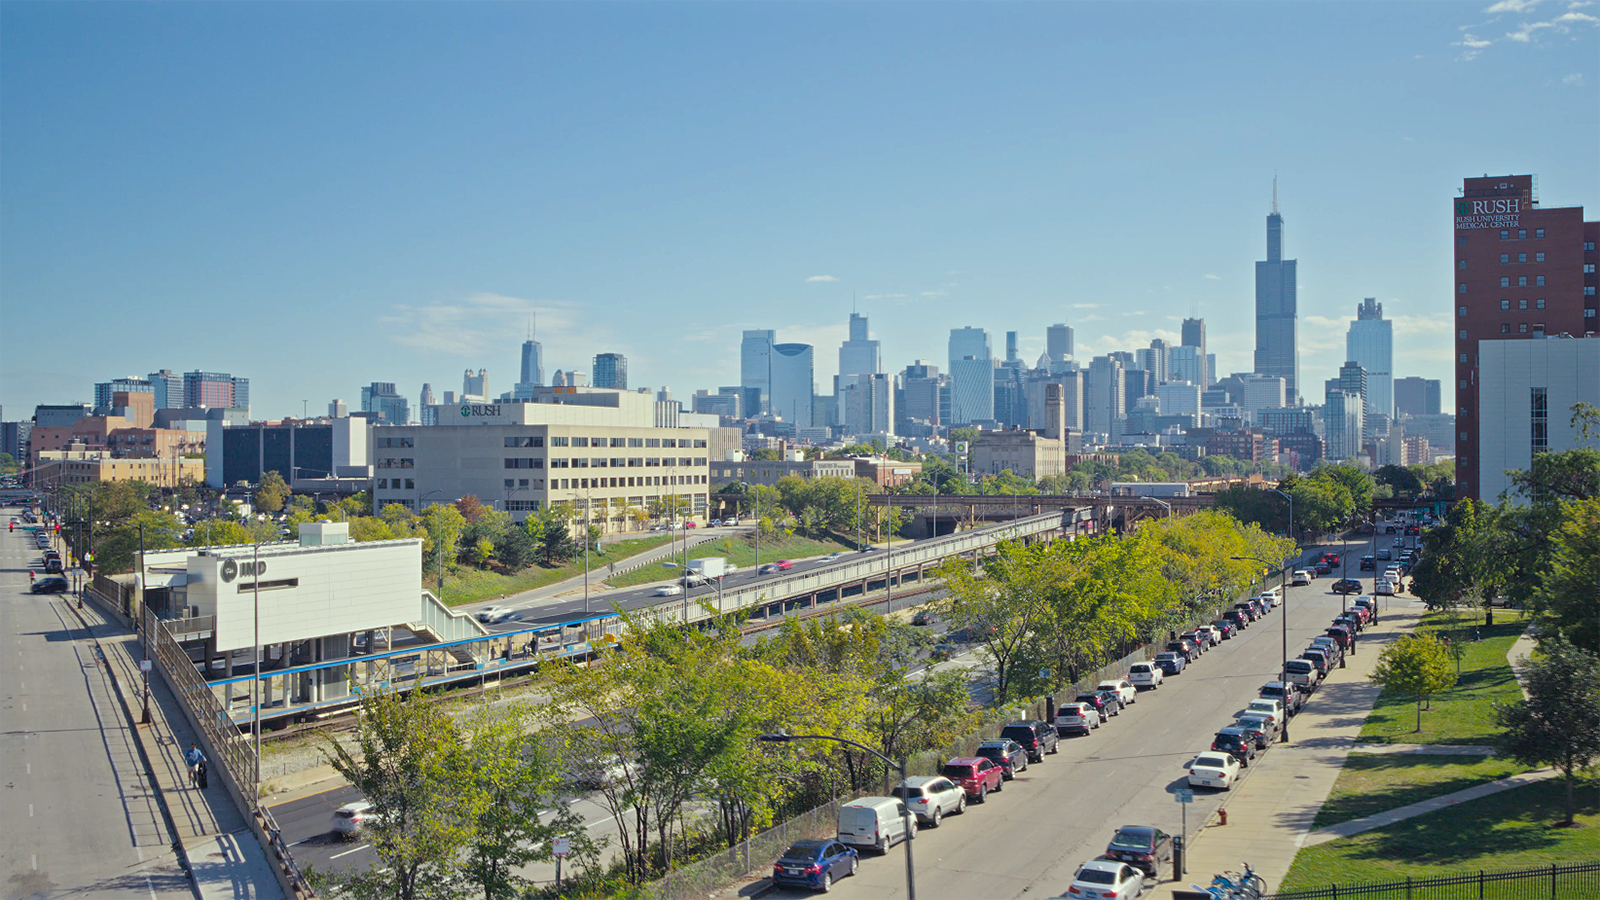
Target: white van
(877, 822)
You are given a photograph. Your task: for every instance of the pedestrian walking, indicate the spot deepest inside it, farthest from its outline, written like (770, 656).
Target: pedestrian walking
(196, 761)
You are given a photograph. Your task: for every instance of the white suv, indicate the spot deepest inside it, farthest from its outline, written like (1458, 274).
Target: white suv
(1122, 688)
(1145, 675)
(932, 797)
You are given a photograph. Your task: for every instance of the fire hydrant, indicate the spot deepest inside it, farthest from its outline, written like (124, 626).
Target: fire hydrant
(1222, 814)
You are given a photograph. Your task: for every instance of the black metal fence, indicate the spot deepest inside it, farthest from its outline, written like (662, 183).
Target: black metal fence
(1579, 881)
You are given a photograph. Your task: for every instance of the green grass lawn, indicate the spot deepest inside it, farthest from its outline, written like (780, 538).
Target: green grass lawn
(468, 585)
(1464, 714)
(1375, 782)
(739, 550)
(1509, 830)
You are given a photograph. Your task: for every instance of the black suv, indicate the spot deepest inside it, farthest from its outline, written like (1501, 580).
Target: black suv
(49, 586)
(1102, 704)
(1367, 563)
(1347, 586)
(1038, 738)
(1237, 619)
(1008, 755)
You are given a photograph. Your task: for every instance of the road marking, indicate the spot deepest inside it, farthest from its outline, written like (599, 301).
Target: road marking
(150, 887)
(30, 768)
(35, 857)
(30, 810)
(348, 852)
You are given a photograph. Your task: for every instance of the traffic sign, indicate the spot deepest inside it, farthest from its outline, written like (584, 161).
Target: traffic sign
(1184, 795)
(144, 665)
(562, 846)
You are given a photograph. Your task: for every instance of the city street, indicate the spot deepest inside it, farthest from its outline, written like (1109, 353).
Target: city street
(1029, 840)
(80, 815)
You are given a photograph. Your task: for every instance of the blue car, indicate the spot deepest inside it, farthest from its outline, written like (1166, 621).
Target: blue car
(814, 864)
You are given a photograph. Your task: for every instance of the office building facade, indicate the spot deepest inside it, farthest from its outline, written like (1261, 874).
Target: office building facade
(860, 355)
(1522, 271)
(1058, 345)
(381, 398)
(1343, 424)
(1526, 393)
(755, 368)
(215, 390)
(1277, 310)
(971, 376)
(1416, 396)
(1370, 343)
(793, 386)
(610, 371)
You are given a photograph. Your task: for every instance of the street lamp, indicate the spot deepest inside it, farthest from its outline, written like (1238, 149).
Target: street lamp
(1283, 673)
(588, 501)
(1165, 504)
(905, 809)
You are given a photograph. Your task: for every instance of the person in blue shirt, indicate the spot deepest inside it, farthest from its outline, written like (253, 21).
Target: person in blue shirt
(196, 759)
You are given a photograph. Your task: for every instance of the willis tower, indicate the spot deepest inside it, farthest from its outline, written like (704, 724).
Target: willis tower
(1277, 312)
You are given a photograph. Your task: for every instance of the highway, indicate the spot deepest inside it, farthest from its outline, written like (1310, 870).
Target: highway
(80, 815)
(1028, 841)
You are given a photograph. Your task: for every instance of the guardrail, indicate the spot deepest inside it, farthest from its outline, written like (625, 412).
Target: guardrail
(445, 623)
(876, 565)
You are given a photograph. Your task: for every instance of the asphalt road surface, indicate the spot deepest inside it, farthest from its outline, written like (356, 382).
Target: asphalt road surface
(1029, 840)
(79, 814)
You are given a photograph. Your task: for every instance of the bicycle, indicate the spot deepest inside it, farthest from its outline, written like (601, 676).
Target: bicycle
(1236, 886)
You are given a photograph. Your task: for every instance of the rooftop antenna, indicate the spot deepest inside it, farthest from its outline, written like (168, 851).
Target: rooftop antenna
(852, 303)
(1274, 193)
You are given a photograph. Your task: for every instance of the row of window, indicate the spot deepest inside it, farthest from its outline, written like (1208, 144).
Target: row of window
(1523, 304)
(1522, 281)
(556, 484)
(397, 463)
(396, 484)
(385, 443)
(561, 441)
(602, 462)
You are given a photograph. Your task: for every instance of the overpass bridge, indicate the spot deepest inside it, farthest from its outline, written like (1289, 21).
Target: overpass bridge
(940, 514)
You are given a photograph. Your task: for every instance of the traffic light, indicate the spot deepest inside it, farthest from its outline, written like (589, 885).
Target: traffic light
(58, 528)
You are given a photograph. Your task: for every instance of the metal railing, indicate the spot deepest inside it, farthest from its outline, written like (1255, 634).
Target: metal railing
(1580, 881)
(445, 623)
(698, 879)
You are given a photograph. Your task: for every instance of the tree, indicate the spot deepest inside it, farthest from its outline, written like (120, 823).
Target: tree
(1559, 722)
(409, 761)
(471, 508)
(444, 524)
(272, 492)
(999, 605)
(1414, 664)
(1569, 596)
(8, 464)
(1403, 479)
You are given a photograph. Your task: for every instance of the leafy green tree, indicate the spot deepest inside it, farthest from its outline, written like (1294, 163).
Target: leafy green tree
(1569, 596)
(1559, 722)
(116, 550)
(1404, 479)
(1468, 558)
(1321, 505)
(8, 464)
(1414, 664)
(482, 551)
(998, 606)
(443, 523)
(272, 492)
(370, 528)
(408, 759)
(764, 455)
(515, 548)
(219, 533)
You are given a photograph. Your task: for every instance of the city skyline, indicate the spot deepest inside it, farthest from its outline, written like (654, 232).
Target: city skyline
(730, 219)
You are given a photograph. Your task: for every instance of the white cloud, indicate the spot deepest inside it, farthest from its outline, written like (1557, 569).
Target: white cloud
(1135, 312)
(1514, 6)
(935, 293)
(1576, 78)
(815, 279)
(1471, 46)
(1211, 277)
(1085, 306)
(487, 327)
(1093, 317)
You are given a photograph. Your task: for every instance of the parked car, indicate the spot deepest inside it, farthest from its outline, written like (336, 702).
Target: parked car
(1224, 629)
(1106, 878)
(1257, 727)
(1201, 643)
(1142, 846)
(1303, 674)
(815, 864)
(1210, 634)
(1249, 610)
(1347, 586)
(976, 775)
(1076, 718)
(1267, 708)
(1236, 741)
(1329, 646)
(1323, 568)
(1239, 620)
(1146, 676)
(1170, 663)
(1036, 737)
(1100, 703)
(922, 618)
(1300, 578)
(1321, 659)
(1123, 688)
(1350, 620)
(876, 822)
(50, 585)
(1185, 649)
(1213, 769)
(1284, 694)
(932, 797)
(1342, 635)
(351, 819)
(1383, 553)
(1005, 753)
(52, 566)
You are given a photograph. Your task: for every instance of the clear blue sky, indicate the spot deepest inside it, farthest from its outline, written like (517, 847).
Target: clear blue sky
(321, 195)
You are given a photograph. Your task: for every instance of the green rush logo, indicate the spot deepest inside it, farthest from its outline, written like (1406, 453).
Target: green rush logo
(1463, 208)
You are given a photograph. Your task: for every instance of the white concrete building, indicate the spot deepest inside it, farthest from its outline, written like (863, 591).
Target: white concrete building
(1526, 392)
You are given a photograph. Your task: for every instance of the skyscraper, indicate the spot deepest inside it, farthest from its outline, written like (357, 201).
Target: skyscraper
(1105, 402)
(1343, 424)
(859, 355)
(1370, 342)
(1194, 335)
(971, 375)
(755, 368)
(920, 384)
(1277, 310)
(427, 411)
(215, 390)
(610, 371)
(866, 405)
(380, 397)
(1058, 344)
(1416, 396)
(1012, 359)
(793, 383)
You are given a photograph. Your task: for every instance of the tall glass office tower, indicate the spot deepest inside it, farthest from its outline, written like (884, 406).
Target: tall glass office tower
(1277, 310)
(971, 376)
(793, 384)
(1370, 342)
(755, 367)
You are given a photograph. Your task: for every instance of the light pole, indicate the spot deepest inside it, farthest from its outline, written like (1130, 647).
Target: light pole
(144, 719)
(1283, 673)
(438, 543)
(1165, 504)
(255, 724)
(905, 809)
(588, 501)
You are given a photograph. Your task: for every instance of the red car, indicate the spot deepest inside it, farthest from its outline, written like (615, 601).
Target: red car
(785, 565)
(976, 775)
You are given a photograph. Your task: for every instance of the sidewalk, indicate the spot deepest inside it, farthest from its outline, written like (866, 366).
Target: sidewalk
(224, 858)
(598, 574)
(1518, 656)
(1433, 804)
(1271, 812)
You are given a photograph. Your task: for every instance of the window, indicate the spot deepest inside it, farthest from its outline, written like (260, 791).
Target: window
(1463, 358)
(685, 461)
(1505, 328)
(580, 462)
(1522, 281)
(1463, 311)
(522, 482)
(652, 442)
(1539, 303)
(411, 484)
(1522, 328)
(558, 442)
(619, 442)
(1538, 326)
(597, 442)
(1461, 240)
(511, 482)
(1462, 335)
(1589, 313)
(618, 462)
(556, 463)
(524, 441)
(635, 442)
(1461, 289)
(669, 442)
(580, 442)
(383, 484)
(1588, 245)
(1538, 233)
(699, 444)
(1463, 435)
(1461, 385)
(1539, 413)
(1505, 235)
(652, 462)
(1538, 257)
(599, 462)
(1588, 290)
(525, 463)
(1588, 268)
(1505, 281)
(1505, 304)
(1505, 258)
(1522, 304)
(635, 462)
(1522, 257)
(1522, 234)
(1538, 281)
